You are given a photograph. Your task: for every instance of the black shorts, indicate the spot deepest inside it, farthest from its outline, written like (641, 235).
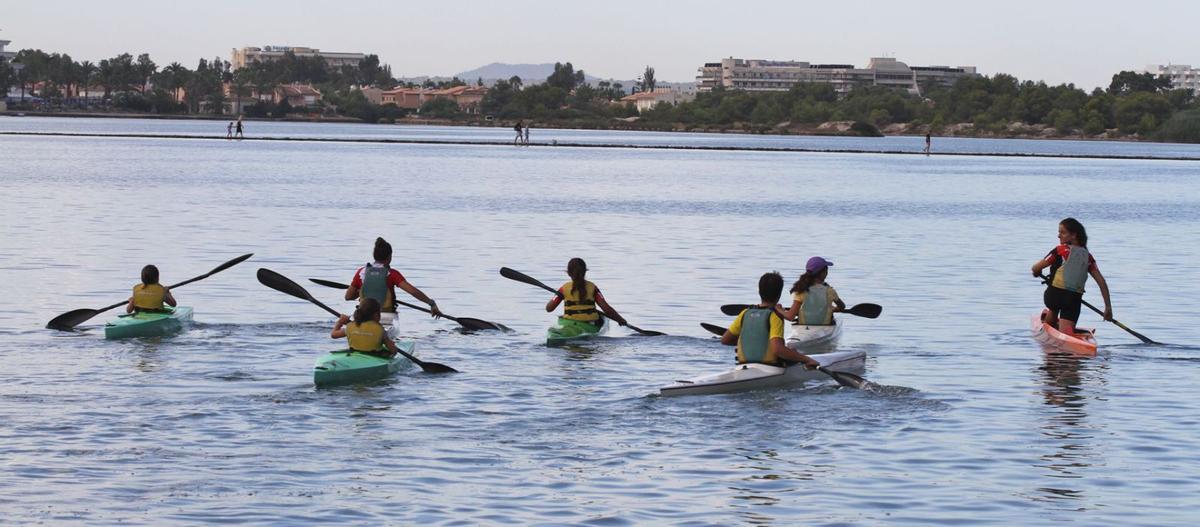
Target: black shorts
(1066, 304)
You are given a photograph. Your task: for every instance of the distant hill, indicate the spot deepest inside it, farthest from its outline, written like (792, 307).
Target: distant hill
(527, 72)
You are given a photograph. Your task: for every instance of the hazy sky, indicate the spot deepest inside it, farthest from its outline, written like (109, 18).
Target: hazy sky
(1084, 42)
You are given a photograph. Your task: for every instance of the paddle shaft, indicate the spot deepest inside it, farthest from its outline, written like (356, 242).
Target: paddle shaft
(1141, 337)
(864, 310)
(336, 285)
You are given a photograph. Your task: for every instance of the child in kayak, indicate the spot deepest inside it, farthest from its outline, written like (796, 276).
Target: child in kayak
(813, 301)
(1070, 263)
(758, 330)
(365, 334)
(149, 295)
(379, 281)
(582, 297)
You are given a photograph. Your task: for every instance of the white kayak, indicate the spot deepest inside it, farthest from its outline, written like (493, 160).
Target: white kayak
(803, 337)
(747, 377)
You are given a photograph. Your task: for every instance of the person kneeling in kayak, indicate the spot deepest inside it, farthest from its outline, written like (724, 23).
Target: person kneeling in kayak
(379, 281)
(149, 295)
(365, 334)
(758, 330)
(813, 301)
(1070, 263)
(582, 297)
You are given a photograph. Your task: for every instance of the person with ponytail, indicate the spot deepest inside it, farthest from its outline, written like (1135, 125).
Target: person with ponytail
(813, 301)
(581, 298)
(1070, 264)
(365, 334)
(379, 281)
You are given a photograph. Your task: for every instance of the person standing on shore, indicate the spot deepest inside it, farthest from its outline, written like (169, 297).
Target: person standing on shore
(239, 128)
(526, 141)
(517, 140)
(928, 143)
(229, 131)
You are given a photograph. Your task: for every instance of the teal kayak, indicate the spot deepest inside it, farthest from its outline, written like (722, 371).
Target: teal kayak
(568, 330)
(149, 324)
(349, 367)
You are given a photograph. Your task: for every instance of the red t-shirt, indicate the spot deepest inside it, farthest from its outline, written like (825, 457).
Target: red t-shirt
(394, 278)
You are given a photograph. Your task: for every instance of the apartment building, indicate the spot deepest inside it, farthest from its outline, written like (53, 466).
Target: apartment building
(241, 58)
(777, 75)
(6, 55)
(467, 98)
(1183, 76)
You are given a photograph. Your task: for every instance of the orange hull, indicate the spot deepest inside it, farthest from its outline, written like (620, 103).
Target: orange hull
(1083, 342)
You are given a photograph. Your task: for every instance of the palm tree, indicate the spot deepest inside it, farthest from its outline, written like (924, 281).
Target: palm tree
(239, 86)
(83, 77)
(177, 77)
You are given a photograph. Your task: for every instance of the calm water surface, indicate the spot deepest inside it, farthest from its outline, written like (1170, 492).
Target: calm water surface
(222, 423)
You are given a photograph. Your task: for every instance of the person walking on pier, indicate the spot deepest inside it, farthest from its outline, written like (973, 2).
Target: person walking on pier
(517, 140)
(239, 128)
(229, 131)
(928, 143)
(526, 140)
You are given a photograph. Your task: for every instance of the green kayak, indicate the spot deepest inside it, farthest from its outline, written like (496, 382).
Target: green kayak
(570, 330)
(149, 324)
(349, 367)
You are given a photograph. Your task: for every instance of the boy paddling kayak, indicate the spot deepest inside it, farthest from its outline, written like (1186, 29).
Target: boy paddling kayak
(758, 330)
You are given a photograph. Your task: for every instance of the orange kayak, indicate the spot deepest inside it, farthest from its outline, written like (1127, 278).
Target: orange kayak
(1083, 342)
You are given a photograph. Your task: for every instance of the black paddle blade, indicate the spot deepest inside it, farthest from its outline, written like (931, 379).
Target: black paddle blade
(734, 310)
(67, 321)
(846, 379)
(230, 263)
(433, 367)
(476, 324)
(646, 333)
(329, 283)
(513, 274)
(714, 329)
(865, 310)
(282, 284)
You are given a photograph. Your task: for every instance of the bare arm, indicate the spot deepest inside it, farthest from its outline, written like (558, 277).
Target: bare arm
(1103, 292)
(792, 312)
(1040, 265)
(553, 303)
(339, 328)
(352, 293)
(609, 311)
(839, 306)
(729, 339)
(169, 298)
(782, 351)
(419, 295)
(129, 307)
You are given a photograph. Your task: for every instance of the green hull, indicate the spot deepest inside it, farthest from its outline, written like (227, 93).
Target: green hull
(570, 330)
(345, 367)
(148, 324)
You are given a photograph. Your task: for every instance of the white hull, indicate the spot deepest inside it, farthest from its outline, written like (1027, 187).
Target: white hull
(814, 338)
(748, 377)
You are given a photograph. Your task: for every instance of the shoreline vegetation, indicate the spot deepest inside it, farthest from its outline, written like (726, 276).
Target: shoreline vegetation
(569, 144)
(1135, 106)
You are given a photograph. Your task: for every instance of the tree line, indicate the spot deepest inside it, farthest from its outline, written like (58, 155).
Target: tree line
(1134, 104)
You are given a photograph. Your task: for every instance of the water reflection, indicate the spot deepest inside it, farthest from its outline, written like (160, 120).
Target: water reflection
(1065, 390)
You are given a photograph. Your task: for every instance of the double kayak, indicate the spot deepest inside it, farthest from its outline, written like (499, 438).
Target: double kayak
(149, 323)
(349, 367)
(805, 337)
(1083, 342)
(568, 330)
(749, 377)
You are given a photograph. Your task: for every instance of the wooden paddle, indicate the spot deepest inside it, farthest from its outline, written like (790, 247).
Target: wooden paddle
(1141, 337)
(282, 284)
(512, 274)
(843, 378)
(67, 321)
(466, 322)
(858, 310)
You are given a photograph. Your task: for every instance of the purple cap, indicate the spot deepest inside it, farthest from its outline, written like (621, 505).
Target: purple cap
(816, 263)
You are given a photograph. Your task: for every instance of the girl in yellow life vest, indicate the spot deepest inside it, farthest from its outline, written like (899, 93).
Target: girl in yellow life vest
(365, 333)
(813, 301)
(581, 298)
(149, 295)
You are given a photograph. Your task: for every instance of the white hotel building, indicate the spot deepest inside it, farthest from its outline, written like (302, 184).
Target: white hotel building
(775, 75)
(240, 58)
(1183, 76)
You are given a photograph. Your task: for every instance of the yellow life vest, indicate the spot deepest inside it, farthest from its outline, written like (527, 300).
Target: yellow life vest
(575, 307)
(149, 297)
(367, 336)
